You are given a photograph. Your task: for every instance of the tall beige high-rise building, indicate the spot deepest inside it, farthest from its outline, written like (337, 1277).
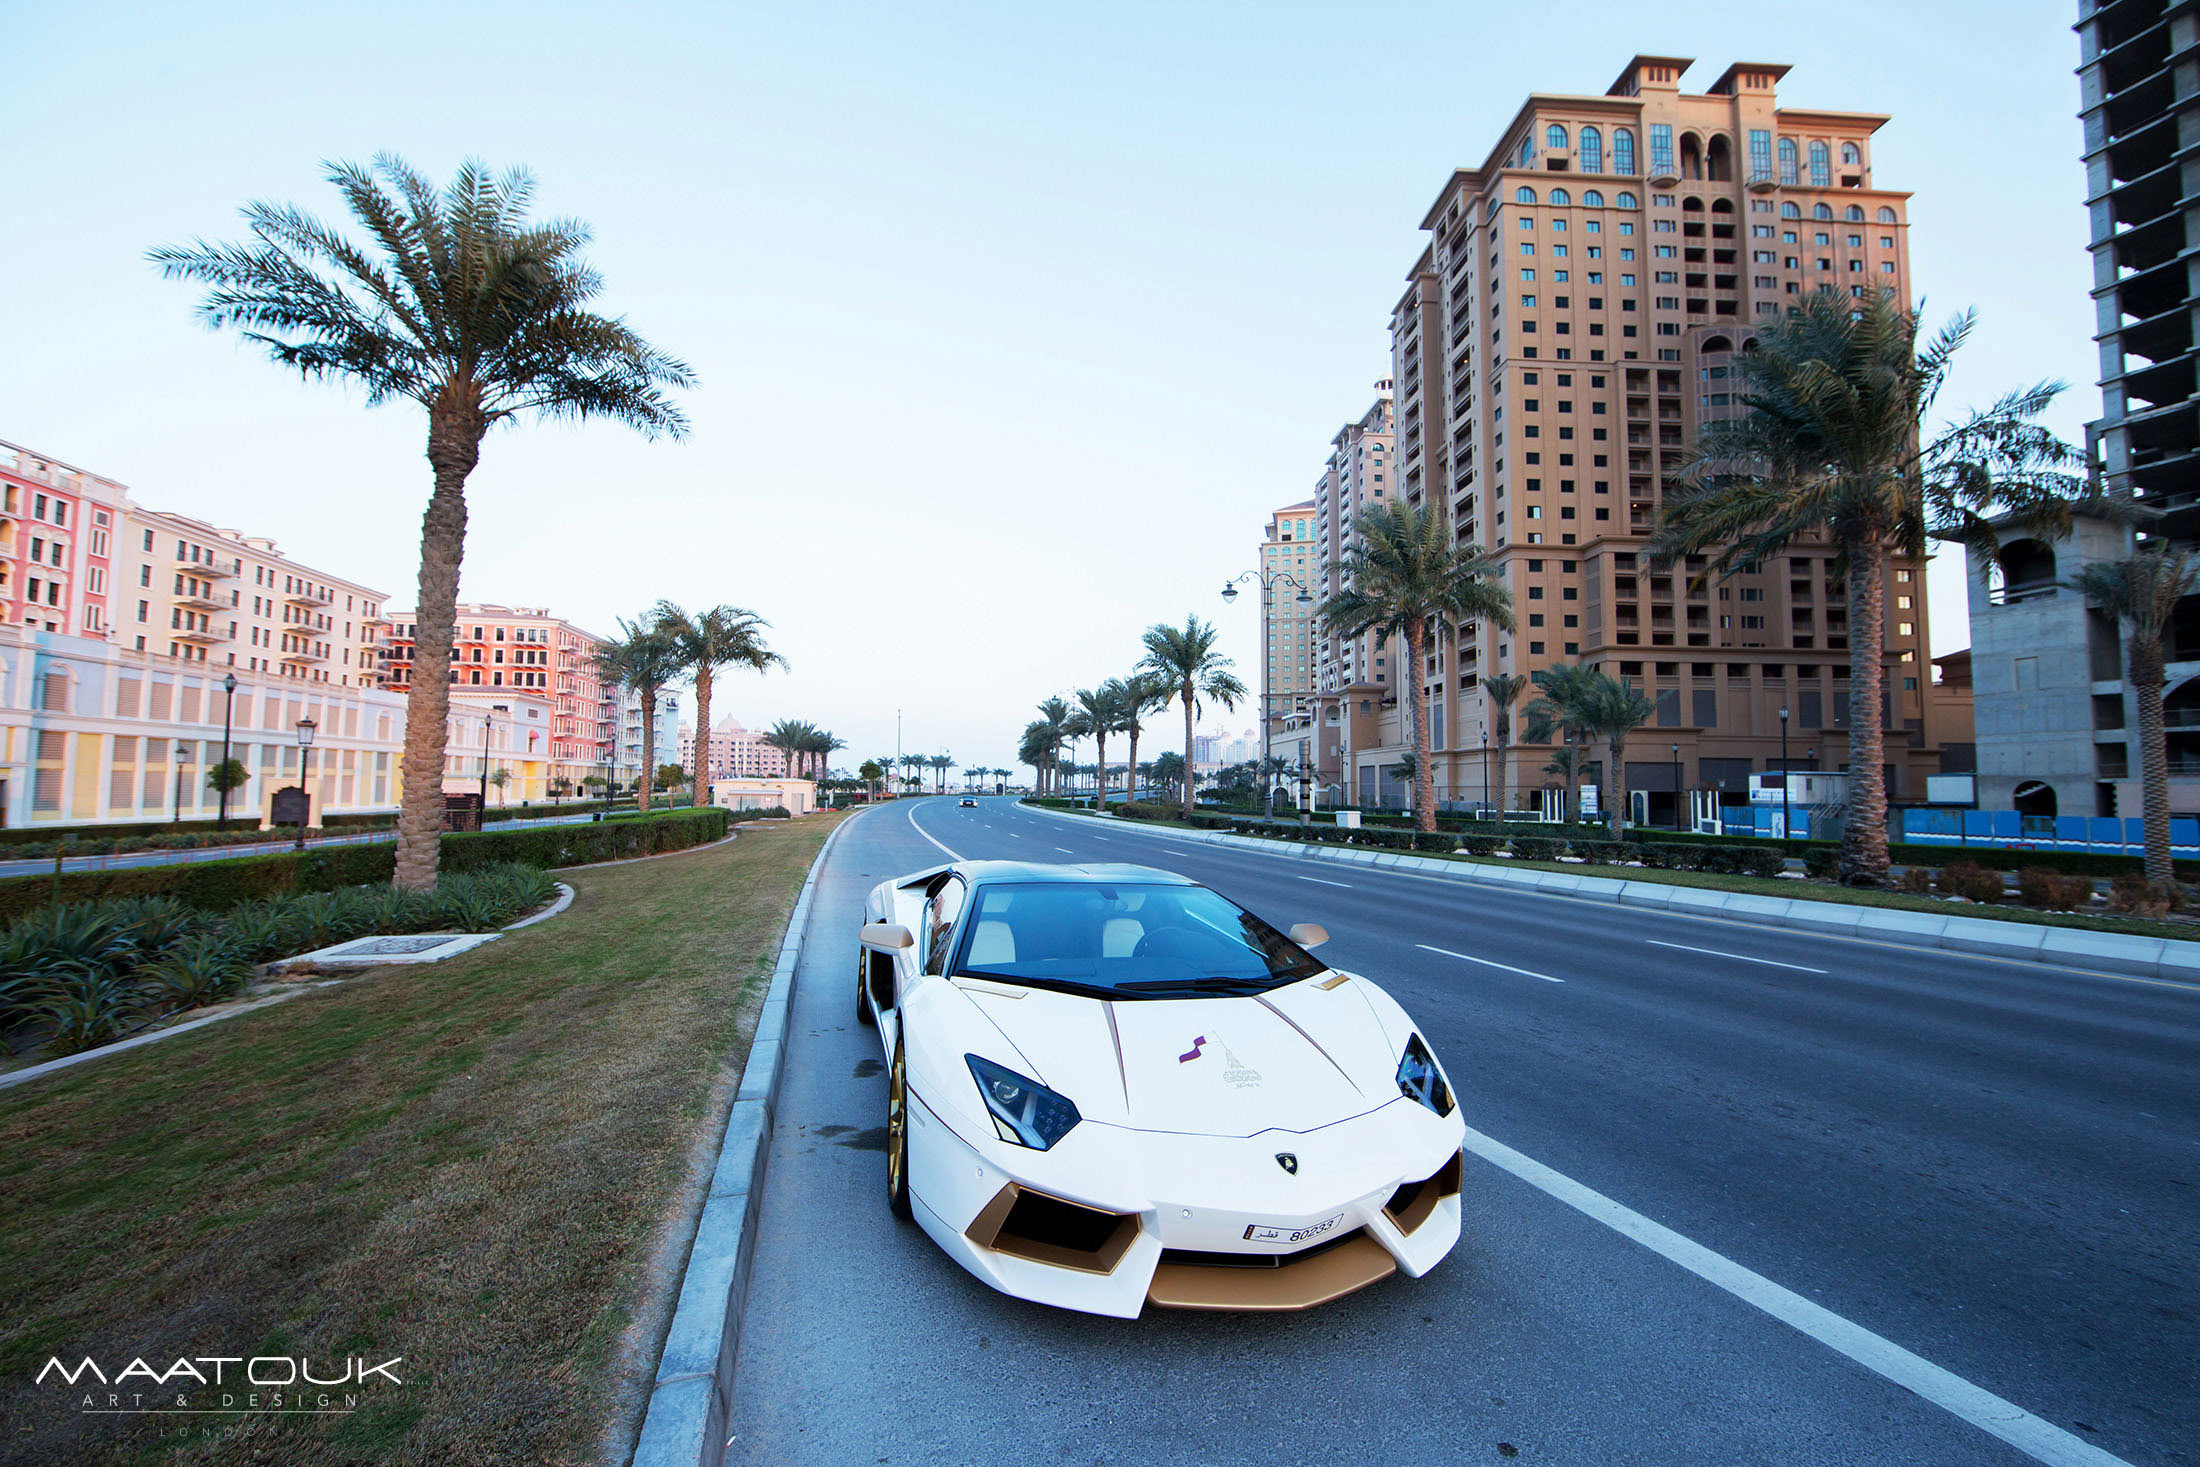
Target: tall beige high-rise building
(1288, 550)
(1572, 321)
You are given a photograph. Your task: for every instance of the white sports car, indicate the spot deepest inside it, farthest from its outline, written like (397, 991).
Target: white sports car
(1109, 1086)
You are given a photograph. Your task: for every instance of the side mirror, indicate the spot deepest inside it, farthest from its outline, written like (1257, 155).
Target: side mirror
(1305, 934)
(886, 936)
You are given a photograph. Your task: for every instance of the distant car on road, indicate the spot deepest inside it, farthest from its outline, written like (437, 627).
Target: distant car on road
(1109, 1086)
(966, 803)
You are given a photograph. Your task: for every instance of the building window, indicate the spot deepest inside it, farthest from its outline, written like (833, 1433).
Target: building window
(1524, 196)
(1851, 156)
(1626, 201)
(1821, 166)
(1623, 153)
(1592, 150)
(1554, 137)
(1886, 215)
(1788, 161)
(1760, 154)
(1561, 198)
(1791, 210)
(1661, 148)
(1821, 211)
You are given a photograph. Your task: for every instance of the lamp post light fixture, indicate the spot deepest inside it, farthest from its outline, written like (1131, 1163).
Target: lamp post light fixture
(306, 726)
(1269, 580)
(486, 720)
(1784, 772)
(1482, 731)
(229, 686)
(183, 757)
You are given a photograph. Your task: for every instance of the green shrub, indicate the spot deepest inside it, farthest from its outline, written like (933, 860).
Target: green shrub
(1916, 880)
(85, 1009)
(200, 969)
(1822, 863)
(1480, 845)
(1441, 841)
(1599, 852)
(2038, 886)
(1538, 847)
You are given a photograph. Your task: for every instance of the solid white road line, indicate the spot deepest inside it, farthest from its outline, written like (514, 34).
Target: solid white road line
(1065, 850)
(2042, 1440)
(1737, 957)
(1485, 962)
(952, 853)
(1345, 884)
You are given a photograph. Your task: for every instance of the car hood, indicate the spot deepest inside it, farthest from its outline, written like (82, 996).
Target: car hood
(1292, 1059)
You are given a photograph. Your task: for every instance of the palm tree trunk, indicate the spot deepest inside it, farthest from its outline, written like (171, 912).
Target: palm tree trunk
(1618, 782)
(1185, 692)
(1100, 785)
(649, 747)
(701, 775)
(1130, 781)
(2146, 688)
(1424, 778)
(455, 428)
(1864, 838)
(1503, 748)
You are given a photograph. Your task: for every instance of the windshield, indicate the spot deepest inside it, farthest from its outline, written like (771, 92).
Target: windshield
(1126, 941)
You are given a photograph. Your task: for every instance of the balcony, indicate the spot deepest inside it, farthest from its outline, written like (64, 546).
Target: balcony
(214, 568)
(311, 598)
(200, 636)
(305, 655)
(204, 600)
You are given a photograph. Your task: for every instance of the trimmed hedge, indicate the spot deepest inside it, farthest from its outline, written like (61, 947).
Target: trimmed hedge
(215, 885)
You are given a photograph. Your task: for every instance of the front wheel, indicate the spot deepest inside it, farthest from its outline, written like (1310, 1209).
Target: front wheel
(897, 1138)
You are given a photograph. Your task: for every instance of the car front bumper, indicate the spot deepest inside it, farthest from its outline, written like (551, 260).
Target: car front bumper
(1122, 1219)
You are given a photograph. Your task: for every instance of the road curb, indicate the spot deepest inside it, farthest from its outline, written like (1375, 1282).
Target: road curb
(689, 1401)
(2113, 952)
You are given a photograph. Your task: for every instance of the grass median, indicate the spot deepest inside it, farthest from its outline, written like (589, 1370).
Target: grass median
(464, 1164)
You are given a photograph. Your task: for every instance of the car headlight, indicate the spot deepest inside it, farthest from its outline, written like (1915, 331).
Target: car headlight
(1419, 1079)
(1024, 1111)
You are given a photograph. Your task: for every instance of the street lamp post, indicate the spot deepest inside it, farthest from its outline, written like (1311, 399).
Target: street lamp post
(1268, 582)
(183, 755)
(485, 722)
(306, 726)
(1483, 731)
(1784, 772)
(229, 686)
(1677, 787)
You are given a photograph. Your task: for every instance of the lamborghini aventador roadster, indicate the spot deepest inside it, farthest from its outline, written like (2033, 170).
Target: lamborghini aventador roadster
(1109, 1086)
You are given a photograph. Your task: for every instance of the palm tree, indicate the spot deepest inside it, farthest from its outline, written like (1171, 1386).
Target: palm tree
(1405, 576)
(1582, 702)
(823, 744)
(2142, 592)
(1141, 693)
(1034, 748)
(640, 659)
(1831, 442)
(460, 304)
(705, 642)
(1056, 713)
(783, 736)
(940, 764)
(1103, 710)
(1184, 661)
(1501, 690)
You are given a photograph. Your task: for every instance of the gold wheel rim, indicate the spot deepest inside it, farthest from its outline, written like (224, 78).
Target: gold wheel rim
(896, 1124)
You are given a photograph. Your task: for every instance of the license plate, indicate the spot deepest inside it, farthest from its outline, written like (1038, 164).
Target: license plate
(1262, 1233)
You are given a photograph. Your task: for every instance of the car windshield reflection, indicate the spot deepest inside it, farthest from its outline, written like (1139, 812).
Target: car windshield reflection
(1126, 941)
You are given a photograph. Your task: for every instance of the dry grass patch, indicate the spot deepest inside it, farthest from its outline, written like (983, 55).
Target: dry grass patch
(462, 1164)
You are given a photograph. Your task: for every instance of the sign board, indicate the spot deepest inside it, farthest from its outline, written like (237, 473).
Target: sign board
(289, 806)
(1589, 804)
(462, 811)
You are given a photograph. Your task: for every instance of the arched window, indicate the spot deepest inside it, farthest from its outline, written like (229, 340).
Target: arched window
(1691, 155)
(1851, 156)
(1821, 166)
(1527, 151)
(1718, 157)
(1886, 215)
(1787, 160)
(1692, 205)
(1854, 214)
(1722, 206)
(1554, 138)
(1623, 150)
(1791, 210)
(2026, 570)
(1627, 200)
(1592, 150)
(1821, 211)
(1561, 198)
(1716, 343)
(1524, 196)
(1592, 198)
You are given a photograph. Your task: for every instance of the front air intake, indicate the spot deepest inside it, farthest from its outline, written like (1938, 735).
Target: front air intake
(1412, 1204)
(1051, 1230)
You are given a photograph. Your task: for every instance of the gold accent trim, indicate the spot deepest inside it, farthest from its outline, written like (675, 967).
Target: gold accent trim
(985, 1231)
(1330, 1274)
(1333, 982)
(1444, 1182)
(1001, 990)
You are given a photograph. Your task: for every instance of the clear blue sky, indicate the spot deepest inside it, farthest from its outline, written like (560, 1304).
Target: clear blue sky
(1012, 321)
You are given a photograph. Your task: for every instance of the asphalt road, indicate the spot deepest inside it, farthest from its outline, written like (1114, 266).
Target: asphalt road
(1992, 1165)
